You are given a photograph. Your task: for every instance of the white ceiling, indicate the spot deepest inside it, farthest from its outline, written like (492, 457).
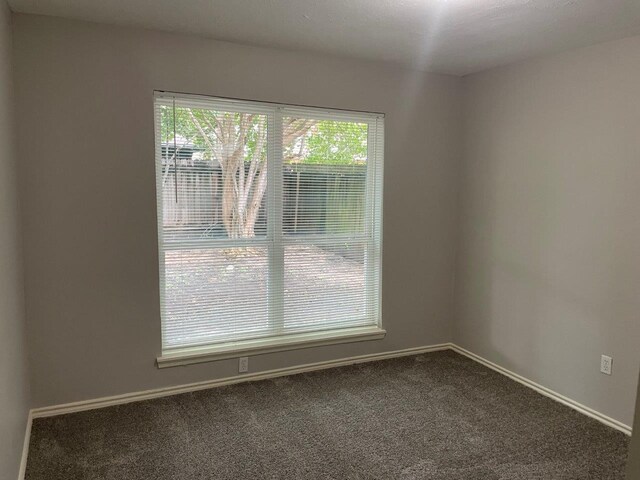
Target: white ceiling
(446, 36)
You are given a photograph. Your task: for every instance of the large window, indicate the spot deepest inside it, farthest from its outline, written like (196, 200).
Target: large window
(269, 221)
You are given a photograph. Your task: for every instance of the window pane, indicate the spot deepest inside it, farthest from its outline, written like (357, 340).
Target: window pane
(214, 173)
(223, 279)
(324, 286)
(214, 294)
(324, 176)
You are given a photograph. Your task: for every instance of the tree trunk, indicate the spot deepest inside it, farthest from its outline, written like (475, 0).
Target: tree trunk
(242, 190)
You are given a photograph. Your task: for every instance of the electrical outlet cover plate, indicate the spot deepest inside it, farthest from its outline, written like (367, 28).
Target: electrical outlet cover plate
(243, 365)
(606, 364)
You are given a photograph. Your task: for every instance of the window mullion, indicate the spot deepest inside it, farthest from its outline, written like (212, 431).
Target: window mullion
(274, 212)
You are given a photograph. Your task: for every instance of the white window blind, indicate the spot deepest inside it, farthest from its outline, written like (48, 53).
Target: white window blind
(269, 221)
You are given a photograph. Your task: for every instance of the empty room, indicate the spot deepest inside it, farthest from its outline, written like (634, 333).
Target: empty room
(337, 239)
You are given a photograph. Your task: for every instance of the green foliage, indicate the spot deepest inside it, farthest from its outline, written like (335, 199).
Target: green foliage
(336, 143)
(186, 128)
(328, 142)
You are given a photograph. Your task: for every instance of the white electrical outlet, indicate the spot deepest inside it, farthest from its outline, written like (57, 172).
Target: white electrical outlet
(243, 365)
(606, 364)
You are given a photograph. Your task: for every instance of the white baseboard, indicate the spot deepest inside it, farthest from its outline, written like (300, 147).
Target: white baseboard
(611, 422)
(280, 372)
(25, 448)
(250, 377)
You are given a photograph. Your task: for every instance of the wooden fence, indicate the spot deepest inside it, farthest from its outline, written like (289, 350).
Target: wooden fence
(317, 198)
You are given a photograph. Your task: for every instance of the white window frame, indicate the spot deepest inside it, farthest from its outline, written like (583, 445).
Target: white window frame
(275, 240)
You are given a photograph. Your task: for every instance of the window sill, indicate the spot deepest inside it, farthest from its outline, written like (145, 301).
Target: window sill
(208, 353)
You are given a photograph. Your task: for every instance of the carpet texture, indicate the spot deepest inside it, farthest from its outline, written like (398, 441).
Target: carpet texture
(438, 416)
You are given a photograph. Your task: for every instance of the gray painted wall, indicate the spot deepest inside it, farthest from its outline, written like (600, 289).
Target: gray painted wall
(84, 93)
(14, 392)
(548, 270)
